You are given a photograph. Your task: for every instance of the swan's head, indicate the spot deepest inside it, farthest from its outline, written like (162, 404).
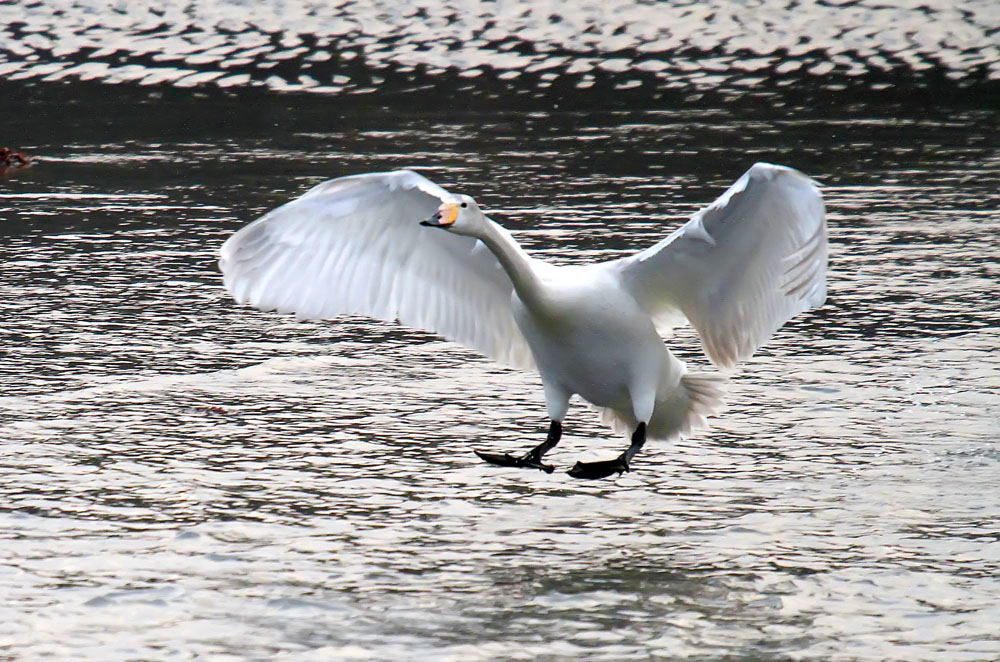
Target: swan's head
(460, 215)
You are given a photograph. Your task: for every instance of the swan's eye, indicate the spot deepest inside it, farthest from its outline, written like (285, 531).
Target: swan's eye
(464, 205)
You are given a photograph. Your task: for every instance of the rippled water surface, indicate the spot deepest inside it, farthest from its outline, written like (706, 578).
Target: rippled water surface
(606, 52)
(181, 478)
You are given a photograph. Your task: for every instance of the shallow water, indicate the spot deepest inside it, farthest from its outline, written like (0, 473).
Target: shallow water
(184, 478)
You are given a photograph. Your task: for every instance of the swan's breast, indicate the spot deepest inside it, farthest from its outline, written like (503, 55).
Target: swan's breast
(589, 335)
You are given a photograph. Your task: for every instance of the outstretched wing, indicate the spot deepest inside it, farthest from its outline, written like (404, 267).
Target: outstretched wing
(355, 245)
(741, 267)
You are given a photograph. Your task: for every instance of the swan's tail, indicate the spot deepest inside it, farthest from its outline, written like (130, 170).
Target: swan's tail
(705, 397)
(678, 413)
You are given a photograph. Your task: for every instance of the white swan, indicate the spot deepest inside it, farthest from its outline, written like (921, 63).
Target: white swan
(737, 271)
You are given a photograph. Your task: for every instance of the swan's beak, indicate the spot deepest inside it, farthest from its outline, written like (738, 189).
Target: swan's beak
(445, 216)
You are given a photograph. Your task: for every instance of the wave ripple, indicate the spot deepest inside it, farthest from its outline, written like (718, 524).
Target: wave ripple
(612, 52)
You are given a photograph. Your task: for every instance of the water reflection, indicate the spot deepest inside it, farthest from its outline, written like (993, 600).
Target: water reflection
(171, 460)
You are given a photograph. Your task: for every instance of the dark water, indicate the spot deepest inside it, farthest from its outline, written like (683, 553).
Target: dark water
(181, 478)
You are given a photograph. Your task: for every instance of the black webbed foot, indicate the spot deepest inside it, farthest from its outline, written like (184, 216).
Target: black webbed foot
(506, 460)
(619, 465)
(602, 469)
(533, 458)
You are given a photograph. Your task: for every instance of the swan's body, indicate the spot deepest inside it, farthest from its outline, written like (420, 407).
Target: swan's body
(737, 271)
(591, 338)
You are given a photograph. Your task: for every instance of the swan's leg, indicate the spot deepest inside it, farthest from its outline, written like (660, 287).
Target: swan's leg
(557, 404)
(618, 465)
(533, 458)
(643, 393)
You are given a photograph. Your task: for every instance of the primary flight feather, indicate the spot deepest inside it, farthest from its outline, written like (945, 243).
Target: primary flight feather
(395, 245)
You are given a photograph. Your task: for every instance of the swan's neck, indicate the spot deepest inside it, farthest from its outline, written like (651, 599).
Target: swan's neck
(514, 261)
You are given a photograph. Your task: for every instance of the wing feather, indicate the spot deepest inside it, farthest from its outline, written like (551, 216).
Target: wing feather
(741, 267)
(354, 245)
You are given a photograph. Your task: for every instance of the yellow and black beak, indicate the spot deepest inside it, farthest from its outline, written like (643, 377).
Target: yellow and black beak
(445, 216)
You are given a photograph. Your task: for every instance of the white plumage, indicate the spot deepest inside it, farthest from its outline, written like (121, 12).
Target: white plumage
(737, 271)
(355, 245)
(741, 267)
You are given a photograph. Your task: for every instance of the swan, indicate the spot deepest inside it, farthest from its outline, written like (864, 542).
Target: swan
(396, 246)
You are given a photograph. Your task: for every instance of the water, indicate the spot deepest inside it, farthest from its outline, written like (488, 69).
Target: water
(579, 53)
(182, 478)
